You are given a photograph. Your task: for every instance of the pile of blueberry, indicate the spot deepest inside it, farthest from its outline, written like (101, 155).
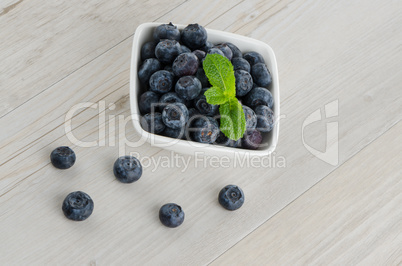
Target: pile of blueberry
(78, 206)
(173, 82)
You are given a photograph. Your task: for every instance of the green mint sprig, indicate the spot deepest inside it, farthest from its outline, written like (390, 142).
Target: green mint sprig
(219, 71)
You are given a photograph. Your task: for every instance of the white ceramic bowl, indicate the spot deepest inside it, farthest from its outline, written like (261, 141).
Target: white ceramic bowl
(245, 44)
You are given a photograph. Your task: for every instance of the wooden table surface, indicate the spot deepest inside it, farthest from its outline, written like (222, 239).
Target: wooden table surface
(340, 60)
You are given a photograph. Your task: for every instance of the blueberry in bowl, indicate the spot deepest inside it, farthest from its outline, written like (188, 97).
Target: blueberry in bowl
(181, 76)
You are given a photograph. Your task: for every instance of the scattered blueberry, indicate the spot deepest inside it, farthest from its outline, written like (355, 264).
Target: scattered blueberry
(161, 81)
(240, 63)
(152, 122)
(175, 115)
(62, 157)
(148, 102)
(253, 58)
(261, 75)
(265, 118)
(251, 118)
(235, 50)
(150, 66)
(185, 64)
(188, 87)
(127, 169)
(166, 31)
(148, 50)
(231, 197)
(244, 82)
(259, 96)
(167, 50)
(77, 206)
(171, 215)
(204, 129)
(251, 139)
(194, 36)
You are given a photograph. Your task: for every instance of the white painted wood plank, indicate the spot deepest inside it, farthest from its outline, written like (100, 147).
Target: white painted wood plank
(352, 217)
(133, 226)
(43, 42)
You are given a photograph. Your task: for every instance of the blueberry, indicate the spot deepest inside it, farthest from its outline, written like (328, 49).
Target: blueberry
(168, 98)
(174, 133)
(235, 50)
(204, 130)
(200, 75)
(194, 36)
(253, 58)
(148, 67)
(192, 112)
(227, 52)
(152, 123)
(261, 75)
(185, 64)
(168, 68)
(259, 96)
(251, 118)
(215, 51)
(240, 63)
(225, 141)
(166, 31)
(244, 82)
(184, 49)
(208, 45)
(148, 50)
(205, 108)
(161, 81)
(148, 102)
(265, 118)
(200, 55)
(188, 87)
(127, 169)
(167, 50)
(175, 115)
(231, 197)
(171, 215)
(62, 157)
(251, 139)
(77, 206)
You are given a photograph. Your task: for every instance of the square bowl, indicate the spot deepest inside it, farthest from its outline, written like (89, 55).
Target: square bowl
(142, 35)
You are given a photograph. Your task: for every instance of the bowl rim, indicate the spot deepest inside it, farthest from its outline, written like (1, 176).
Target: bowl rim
(190, 147)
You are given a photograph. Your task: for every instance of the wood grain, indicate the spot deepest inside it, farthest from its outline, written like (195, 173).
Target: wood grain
(352, 217)
(124, 229)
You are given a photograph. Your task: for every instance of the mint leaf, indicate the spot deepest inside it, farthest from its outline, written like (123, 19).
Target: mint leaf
(215, 96)
(219, 71)
(233, 121)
